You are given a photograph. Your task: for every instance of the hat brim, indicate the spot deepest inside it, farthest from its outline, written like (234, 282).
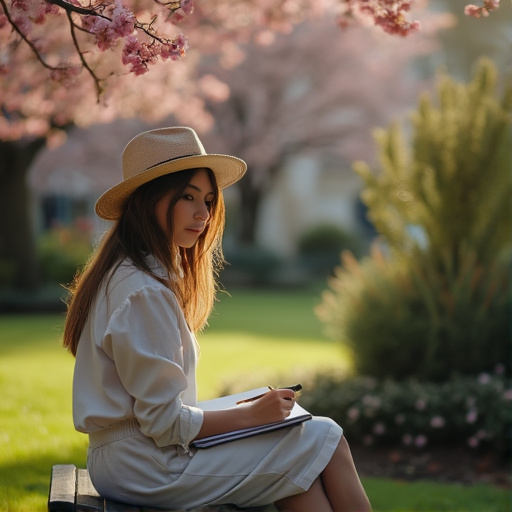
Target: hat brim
(227, 170)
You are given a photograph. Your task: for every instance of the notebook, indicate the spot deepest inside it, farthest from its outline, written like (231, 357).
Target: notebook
(298, 415)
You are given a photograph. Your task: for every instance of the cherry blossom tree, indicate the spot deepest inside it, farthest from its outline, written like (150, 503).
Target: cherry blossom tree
(78, 62)
(288, 99)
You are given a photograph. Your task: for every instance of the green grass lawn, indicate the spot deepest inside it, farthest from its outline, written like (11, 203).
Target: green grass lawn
(255, 338)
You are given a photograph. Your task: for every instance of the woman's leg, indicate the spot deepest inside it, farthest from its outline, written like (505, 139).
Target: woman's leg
(312, 500)
(341, 482)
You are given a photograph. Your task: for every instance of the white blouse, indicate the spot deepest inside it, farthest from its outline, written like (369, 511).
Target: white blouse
(136, 359)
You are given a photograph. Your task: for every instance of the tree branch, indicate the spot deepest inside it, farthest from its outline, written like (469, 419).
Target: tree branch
(96, 80)
(24, 37)
(74, 8)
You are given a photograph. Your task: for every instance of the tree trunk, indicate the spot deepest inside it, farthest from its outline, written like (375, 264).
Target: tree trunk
(18, 257)
(251, 197)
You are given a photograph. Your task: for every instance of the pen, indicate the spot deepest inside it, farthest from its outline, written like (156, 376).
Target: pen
(295, 388)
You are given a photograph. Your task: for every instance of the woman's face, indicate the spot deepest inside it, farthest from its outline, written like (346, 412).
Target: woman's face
(192, 211)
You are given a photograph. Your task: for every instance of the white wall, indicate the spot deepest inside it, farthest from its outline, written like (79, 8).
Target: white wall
(304, 196)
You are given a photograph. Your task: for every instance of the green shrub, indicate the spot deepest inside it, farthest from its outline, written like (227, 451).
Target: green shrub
(399, 320)
(251, 266)
(320, 247)
(438, 303)
(471, 411)
(62, 251)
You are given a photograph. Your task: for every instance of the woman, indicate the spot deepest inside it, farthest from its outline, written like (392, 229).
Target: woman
(131, 318)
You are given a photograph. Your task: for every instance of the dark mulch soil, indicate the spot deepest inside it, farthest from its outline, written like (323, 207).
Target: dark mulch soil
(442, 464)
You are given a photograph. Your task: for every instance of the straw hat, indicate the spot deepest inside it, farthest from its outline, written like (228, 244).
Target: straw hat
(152, 154)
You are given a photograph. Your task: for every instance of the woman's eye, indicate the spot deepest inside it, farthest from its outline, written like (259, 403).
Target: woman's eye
(209, 204)
(188, 197)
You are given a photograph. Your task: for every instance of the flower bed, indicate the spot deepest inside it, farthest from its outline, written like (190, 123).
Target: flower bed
(471, 411)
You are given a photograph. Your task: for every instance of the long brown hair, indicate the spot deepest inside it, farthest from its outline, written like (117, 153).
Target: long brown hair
(137, 234)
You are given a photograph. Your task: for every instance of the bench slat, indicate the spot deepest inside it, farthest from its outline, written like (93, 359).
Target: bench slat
(87, 498)
(62, 488)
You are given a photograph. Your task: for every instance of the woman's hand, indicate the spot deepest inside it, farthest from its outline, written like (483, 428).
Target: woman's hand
(276, 405)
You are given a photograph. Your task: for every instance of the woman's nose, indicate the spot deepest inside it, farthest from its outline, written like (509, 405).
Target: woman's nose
(203, 213)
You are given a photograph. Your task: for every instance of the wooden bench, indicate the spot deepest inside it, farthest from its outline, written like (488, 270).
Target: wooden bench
(71, 490)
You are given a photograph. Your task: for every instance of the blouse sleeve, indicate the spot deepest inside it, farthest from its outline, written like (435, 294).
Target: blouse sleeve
(144, 339)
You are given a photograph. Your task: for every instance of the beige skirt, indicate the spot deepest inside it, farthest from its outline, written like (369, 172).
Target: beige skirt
(127, 466)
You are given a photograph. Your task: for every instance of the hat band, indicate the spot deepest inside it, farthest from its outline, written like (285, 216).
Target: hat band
(175, 158)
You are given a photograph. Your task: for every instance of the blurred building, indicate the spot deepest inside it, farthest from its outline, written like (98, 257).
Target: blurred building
(67, 181)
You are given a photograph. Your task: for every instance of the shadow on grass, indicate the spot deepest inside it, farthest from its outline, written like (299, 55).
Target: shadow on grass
(28, 479)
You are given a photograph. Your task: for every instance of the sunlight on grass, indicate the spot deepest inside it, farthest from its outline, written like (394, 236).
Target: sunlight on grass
(257, 339)
(240, 361)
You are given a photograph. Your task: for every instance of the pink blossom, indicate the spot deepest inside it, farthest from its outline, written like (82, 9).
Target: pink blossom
(174, 49)
(187, 6)
(484, 378)
(420, 441)
(507, 395)
(471, 416)
(474, 11)
(353, 413)
(477, 12)
(390, 15)
(108, 31)
(420, 404)
(123, 20)
(437, 422)
(3, 20)
(22, 5)
(65, 75)
(473, 442)
(379, 429)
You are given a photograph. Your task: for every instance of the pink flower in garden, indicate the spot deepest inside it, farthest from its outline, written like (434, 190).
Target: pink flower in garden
(379, 429)
(473, 442)
(420, 441)
(437, 422)
(484, 378)
(420, 404)
(471, 416)
(353, 413)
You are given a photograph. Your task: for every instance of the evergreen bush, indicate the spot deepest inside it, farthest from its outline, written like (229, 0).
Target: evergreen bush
(62, 251)
(319, 247)
(436, 302)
